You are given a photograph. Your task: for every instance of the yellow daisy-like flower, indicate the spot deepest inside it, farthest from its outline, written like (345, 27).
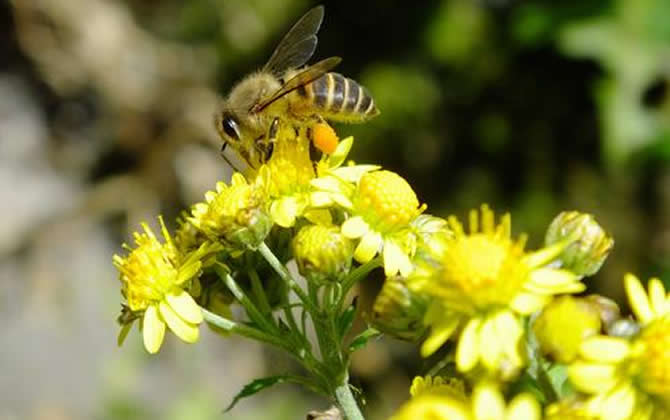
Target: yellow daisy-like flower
(483, 287)
(382, 206)
(234, 213)
(630, 377)
(486, 403)
(449, 387)
(153, 277)
(286, 178)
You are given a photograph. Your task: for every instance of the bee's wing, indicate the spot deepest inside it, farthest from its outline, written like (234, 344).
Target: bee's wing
(306, 76)
(298, 44)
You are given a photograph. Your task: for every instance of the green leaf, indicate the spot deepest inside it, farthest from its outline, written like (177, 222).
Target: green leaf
(346, 320)
(258, 385)
(362, 339)
(558, 375)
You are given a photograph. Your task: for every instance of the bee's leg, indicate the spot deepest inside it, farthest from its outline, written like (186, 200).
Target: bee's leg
(273, 131)
(265, 144)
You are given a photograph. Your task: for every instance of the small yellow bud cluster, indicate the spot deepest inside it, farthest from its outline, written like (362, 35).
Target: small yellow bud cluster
(322, 253)
(386, 200)
(233, 214)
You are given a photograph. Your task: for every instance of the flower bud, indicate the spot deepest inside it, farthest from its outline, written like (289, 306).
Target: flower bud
(398, 311)
(322, 253)
(233, 214)
(589, 244)
(563, 325)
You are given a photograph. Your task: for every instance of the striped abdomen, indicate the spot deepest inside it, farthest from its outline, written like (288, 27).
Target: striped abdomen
(339, 98)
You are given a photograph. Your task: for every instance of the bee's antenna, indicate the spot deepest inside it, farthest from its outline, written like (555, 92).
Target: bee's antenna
(228, 161)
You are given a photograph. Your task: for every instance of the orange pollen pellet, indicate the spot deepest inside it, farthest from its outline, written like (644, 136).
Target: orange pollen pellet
(324, 138)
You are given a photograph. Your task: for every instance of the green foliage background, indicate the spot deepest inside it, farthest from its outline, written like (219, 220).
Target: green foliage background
(532, 106)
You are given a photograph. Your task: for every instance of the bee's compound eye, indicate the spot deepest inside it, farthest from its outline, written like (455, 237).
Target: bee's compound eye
(230, 127)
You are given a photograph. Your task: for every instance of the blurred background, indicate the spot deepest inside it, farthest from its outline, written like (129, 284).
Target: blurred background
(105, 120)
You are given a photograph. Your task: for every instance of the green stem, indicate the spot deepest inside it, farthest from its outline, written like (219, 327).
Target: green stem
(259, 292)
(282, 271)
(545, 383)
(243, 330)
(255, 315)
(359, 273)
(347, 402)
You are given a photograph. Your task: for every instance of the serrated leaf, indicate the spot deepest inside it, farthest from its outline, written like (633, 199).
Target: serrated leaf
(362, 339)
(256, 386)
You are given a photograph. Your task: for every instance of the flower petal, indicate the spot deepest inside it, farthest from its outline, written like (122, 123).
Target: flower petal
(552, 281)
(488, 403)
(490, 345)
(523, 407)
(544, 255)
(341, 151)
(467, 353)
(184, 330)
(619, 404)
(395, 260)
(355, 227)
(657, 297)
(320, 199)
(184, 305)
(638, 298)
(439, 335)
(327, 183)
(604, 349)
(153, 330)
(354, 173)
(592, 377)
(188, 271)
(368, 247)
(527, 303)
(284, 211)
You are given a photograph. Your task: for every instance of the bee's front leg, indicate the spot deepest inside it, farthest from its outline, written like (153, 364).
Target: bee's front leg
(265, 144)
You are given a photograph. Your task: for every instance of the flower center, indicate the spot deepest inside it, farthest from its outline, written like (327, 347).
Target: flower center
(485, 270)
(386, 200)
(653, 350)
(147, 275)
(290, 165)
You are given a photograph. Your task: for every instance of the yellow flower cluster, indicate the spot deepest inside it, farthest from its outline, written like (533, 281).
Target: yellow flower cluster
(503, 318)
(482, 287)
(629, 377)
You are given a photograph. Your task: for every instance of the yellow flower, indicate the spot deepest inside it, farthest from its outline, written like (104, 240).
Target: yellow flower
(486, 403)
(286, 178)
(322, 253)
(483, 286)
(449, 387)
(399, 312)
(563, 325)
(382, 207)
(154, 276)
(233, 214)
(630, 377)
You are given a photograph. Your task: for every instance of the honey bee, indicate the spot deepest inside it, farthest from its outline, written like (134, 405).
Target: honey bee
(284, 92)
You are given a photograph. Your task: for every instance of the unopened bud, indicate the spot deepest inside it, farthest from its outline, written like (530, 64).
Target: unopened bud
(589, 244)
(322, 253)
(398, 311)
(563, 325)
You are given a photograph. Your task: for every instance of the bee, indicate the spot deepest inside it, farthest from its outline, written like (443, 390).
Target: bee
(285, 92)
